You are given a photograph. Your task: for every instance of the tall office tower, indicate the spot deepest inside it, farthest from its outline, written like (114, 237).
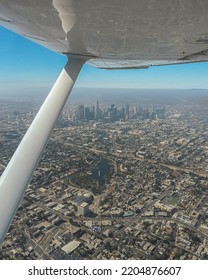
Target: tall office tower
(113, 141)
(110, 117)
(127, 111)
(123, 113)
(112, 109)
(87, 113)
(80, 112)
(97, 113)
(135, 110)
(92, 112)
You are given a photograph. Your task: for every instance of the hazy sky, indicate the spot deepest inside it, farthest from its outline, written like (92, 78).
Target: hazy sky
(26, 65)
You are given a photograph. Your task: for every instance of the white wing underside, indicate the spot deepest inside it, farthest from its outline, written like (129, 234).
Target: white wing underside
(114, 33)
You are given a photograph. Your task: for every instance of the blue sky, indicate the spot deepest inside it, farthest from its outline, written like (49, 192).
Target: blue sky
(24, 64)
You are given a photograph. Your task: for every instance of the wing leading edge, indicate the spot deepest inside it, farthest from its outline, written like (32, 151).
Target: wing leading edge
(114, 34)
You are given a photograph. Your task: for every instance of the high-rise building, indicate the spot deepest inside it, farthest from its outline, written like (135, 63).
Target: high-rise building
(112, 115)
(92, 112)
(83, 209)
(97, 113)
(127, 111)
(80, 112)
(87, 113)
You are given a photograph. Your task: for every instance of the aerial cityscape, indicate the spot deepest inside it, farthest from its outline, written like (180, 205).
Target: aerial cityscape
(123, 176)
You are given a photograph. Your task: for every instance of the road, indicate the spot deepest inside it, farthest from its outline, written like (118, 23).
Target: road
(37, 248)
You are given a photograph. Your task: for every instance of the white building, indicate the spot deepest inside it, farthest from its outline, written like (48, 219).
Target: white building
(83, 208)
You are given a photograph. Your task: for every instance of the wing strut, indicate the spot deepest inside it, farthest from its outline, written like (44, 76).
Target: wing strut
(18, 172)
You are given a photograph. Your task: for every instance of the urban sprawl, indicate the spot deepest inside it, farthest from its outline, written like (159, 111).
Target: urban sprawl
(115, 182)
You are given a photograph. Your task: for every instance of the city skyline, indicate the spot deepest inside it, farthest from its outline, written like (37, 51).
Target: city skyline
(30, 67)
(115, 113)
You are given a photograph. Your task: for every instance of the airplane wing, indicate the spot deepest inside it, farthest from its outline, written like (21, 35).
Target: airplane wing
(114, 33)
(110, 34)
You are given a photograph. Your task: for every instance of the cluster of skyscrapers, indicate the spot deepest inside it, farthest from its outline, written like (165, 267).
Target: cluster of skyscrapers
(114, 113)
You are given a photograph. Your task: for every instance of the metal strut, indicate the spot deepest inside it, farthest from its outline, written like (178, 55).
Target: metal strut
(18, 172)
